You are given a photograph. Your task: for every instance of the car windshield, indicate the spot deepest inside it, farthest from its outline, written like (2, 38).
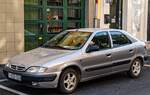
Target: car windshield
(72, 40)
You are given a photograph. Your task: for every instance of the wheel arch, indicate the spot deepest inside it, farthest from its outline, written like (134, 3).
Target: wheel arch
(77, 68)
(74, 67)
(141, 58)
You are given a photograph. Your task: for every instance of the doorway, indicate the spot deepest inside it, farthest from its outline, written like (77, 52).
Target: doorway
(148, 23)
(116, 7)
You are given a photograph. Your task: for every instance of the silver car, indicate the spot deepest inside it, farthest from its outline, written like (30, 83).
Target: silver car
(75, 56)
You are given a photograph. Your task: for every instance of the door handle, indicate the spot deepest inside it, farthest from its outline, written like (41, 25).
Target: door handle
(108, 55)
(131, 51)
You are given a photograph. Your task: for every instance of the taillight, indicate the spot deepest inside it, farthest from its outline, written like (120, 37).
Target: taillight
(145, 47)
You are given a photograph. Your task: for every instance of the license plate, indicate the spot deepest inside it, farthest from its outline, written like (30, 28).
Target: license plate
(14, 76)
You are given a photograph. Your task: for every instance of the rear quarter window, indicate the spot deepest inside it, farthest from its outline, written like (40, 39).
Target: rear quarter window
(131, 39)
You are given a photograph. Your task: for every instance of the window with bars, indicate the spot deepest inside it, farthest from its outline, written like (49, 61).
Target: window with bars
(44, 18)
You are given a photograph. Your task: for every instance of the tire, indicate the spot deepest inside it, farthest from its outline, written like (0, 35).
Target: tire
(135, 68)
(68, 81)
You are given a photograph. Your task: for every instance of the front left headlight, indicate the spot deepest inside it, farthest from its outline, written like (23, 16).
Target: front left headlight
(8, 65)
(36, 69)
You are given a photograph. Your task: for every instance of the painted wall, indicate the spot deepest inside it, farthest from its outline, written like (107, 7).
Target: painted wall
(135, 14)
(91, 13)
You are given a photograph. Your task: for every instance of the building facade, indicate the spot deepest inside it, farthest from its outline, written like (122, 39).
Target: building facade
(129, 15)
(27, 24)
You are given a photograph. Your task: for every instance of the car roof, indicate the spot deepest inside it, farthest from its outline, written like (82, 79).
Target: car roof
(93, 29)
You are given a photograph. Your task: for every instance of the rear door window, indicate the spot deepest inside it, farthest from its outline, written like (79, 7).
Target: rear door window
(119, 39)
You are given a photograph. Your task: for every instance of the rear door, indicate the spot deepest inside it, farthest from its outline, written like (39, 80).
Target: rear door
(122, 51)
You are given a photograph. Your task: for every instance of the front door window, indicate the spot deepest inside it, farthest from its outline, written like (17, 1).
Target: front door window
(101, 40)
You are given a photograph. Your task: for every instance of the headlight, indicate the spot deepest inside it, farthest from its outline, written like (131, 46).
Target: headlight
(36, 69)
(8, 65)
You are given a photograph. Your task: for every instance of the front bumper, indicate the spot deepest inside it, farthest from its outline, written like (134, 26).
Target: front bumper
(34, 80)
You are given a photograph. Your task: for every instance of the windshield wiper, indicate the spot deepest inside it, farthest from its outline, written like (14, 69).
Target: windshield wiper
(57, 46)
(45, 46)
(61, 47)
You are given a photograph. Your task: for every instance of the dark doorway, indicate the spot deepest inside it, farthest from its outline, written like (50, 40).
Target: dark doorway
(148, 26)
(116, 14)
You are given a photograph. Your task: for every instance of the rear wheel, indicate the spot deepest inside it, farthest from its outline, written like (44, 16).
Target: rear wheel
(135, 69)
(68, 80)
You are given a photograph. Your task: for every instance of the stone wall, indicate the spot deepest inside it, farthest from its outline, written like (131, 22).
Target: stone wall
(11, 28)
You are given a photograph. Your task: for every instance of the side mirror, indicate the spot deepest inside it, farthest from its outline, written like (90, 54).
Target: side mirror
(92, 48)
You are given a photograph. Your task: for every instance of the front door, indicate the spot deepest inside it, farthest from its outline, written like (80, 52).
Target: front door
(96, 62)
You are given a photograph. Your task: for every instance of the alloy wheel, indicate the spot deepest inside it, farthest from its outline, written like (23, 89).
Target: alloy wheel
(136, 68)
(70, 81)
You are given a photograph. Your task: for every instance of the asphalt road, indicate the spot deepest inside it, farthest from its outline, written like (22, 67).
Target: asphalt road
(117, 84)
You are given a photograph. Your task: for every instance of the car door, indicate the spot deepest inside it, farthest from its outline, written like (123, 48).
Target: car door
(96, 62)
(122, 52)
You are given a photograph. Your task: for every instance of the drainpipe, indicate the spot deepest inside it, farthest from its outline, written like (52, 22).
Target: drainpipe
(97, 14)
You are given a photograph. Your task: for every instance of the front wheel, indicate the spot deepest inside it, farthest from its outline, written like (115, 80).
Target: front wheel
(135, 69)
(68, 81)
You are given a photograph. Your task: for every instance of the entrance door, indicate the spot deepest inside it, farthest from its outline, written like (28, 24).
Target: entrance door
(116, 14)
(148, 26)
(46, 18)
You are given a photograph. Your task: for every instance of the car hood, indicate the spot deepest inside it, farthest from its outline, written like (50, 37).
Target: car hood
(38, 57)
